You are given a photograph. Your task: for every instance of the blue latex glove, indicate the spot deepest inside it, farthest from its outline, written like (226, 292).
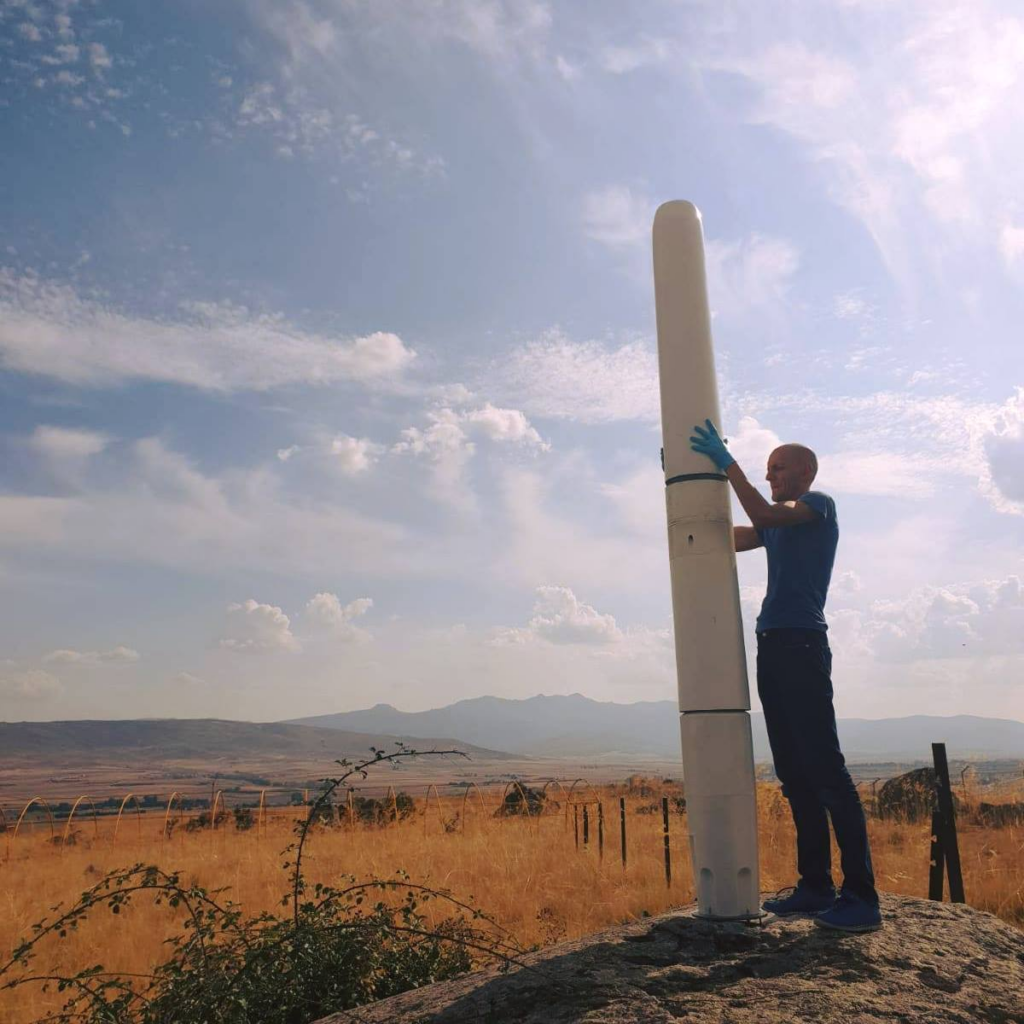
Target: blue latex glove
(711, 445)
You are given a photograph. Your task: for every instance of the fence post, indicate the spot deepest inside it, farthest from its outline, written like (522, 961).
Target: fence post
(937, 863)
(668, 853)
(600, 831)
(586, 825)
(951, 852)
(576, 823)
(622, 829)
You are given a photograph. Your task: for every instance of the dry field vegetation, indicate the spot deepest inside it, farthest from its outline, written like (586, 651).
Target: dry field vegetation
(525, 871)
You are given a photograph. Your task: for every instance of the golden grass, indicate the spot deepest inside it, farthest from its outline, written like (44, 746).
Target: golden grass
(525, 872)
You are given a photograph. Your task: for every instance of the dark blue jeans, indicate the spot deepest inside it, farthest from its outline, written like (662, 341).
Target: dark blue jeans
(794, 682)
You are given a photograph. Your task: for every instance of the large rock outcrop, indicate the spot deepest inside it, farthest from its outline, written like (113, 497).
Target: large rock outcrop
(932, 963)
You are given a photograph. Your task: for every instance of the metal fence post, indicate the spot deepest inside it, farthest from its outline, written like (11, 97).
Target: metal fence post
(668, 852)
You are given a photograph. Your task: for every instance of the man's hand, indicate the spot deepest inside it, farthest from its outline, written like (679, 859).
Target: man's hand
(710, 444)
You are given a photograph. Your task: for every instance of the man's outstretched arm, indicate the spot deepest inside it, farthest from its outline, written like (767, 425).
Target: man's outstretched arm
(763, 514)
(745, 538)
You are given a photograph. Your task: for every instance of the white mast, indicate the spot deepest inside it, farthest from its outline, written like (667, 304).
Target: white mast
(714, 699)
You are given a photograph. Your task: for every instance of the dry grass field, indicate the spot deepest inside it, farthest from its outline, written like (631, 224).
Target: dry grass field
(526, 872)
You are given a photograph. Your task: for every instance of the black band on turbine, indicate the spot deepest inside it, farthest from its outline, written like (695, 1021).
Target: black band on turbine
(696, 476)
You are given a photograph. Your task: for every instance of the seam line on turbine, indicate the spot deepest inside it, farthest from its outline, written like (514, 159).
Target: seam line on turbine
(696, 476)
(716, 711)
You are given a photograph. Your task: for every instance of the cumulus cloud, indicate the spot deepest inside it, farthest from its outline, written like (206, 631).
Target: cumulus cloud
(559, 617)
(353, 455)
(446, 443)
(258, 628)
(982, 618)
(505, 425)
(115, 655)
(1002, 477)
(325, 612)
(49, 329)
(28, 684)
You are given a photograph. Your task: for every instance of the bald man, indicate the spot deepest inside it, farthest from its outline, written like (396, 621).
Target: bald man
(799, 531)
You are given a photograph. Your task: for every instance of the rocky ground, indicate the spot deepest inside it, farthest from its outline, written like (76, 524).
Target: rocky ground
(931, 963)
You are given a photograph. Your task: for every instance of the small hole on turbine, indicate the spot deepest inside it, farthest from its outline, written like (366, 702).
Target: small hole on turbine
(689, 539)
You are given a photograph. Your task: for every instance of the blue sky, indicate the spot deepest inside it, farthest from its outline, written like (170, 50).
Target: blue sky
(327, 367)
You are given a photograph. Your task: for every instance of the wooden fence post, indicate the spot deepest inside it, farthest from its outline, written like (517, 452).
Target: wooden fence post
(937, 863)
(622, 829)
(668, 852)
(576, 823)
(586, 825)
(944, 829)
(600, 831)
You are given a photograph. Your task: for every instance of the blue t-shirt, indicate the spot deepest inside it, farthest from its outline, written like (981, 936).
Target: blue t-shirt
(800, 560)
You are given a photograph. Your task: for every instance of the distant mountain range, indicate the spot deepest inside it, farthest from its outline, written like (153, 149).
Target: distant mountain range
(486, 728)
(207, 739)
(576, 726)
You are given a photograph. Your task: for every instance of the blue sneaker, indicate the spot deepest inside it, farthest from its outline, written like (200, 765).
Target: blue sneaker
(800, 900)
(850, 913)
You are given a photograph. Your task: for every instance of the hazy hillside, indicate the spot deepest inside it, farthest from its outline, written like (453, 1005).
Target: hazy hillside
(576, 726)
(189, 739)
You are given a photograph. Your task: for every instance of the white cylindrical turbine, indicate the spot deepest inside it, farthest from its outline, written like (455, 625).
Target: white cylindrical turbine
(711, 667)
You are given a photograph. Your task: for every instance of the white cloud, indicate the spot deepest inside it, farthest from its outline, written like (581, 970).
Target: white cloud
(544, 539)
(99, 58)
(877, 474)
(258, 628)
(620, 60)
(845, 584)
(567, 71)
(445, 442)
(505, 425)
(1002, 477)
(187, 679)
(206, 523)
(559, 617)
(897, 123)
(326, 612)
(284, 454)
(67, 443)
(28, 684)
(116, 655)
(353, 455)
(1011, 243)
(617, 217)
(557, 378)
(296, 124)
(65, 53)
(49, 329)
(750, 445)
(30, 32)
(983, 618)
(752, 275)
(848, 306)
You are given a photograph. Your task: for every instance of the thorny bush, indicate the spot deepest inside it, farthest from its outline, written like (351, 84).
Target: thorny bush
(332, 948)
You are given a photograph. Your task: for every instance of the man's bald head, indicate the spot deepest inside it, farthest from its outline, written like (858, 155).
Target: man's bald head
(801, 456)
